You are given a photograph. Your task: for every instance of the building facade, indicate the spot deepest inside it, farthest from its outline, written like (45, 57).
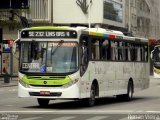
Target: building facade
(108, 12)
(142, 18)
(139, 17)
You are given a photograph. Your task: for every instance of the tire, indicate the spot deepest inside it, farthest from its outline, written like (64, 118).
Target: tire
(43, 102)
(91, 101)
(129, 95)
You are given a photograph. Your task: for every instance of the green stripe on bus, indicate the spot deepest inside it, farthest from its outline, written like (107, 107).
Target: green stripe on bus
(96, 34)
(48, 82)
(49, 28)
(100, 34)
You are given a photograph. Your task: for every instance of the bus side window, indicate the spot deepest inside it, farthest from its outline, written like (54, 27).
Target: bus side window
(114, 50)
(143, 52)
(126, 48)
(84, 53)
(95, 49)
(136, 52)
(138, 47)
(146, 53)
(123, 51)
(120, 51)
(132, 52)
(105, 49)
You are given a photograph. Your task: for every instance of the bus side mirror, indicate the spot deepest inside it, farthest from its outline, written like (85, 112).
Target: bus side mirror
(14, 47)
(152, 54)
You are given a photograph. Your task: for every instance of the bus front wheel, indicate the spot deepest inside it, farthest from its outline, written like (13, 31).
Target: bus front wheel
(91, 100)
(43, 102)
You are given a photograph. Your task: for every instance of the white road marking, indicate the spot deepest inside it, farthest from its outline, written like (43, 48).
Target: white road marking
(153, 111)
(8, 105)
(8, 89)
(140, 111)
(64, 118)
(74, 111)
(12, 90)
(32, 118)
(126, 118)
(98, 118)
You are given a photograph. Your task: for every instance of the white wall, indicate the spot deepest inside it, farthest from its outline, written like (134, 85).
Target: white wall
(67, 11)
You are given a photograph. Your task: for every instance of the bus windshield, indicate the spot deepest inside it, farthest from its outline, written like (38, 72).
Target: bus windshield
(49, 57)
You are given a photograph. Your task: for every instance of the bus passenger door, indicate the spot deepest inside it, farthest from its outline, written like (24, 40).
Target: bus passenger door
(84, 72)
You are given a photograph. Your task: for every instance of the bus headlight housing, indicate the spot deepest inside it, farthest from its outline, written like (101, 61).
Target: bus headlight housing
(71, 83)
(23, 83)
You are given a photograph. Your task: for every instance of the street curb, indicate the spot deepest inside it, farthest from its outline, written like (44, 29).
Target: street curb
(9, 85)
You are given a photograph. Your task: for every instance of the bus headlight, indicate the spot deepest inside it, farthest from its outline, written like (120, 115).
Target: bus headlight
(71, 83)
(23, 83)
(156, 70)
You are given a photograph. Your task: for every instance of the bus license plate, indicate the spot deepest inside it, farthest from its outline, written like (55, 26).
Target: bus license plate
(44, 92)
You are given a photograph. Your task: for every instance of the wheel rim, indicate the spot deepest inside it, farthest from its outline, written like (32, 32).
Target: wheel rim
(130, 94)
(92, 97)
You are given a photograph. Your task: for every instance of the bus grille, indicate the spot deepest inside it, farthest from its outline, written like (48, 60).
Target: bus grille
(46, 85)
(56, 94)
(46, 77)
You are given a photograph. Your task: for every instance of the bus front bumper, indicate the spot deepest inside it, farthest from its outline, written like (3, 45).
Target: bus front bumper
(71, 92)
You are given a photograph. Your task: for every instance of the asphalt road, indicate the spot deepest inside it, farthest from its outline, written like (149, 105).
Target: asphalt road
(145, 105)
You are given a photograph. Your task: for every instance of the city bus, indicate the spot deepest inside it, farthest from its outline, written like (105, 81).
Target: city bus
(80, 63)
(155, 56)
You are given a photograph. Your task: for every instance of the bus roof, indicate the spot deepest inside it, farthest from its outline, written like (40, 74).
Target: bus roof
(99, 32)
(112, 34)
(55, 28)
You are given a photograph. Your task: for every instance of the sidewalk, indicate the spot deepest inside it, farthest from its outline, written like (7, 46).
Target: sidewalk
(13, 82)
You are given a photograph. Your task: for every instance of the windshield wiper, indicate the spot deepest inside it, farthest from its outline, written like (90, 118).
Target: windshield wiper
(59, 44)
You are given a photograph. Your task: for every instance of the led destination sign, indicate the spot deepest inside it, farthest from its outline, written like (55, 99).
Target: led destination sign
(49, 34)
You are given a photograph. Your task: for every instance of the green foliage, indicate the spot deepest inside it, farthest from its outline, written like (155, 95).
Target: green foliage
(10, 24)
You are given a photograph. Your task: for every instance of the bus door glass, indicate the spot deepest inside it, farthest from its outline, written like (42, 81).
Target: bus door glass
(84, 55)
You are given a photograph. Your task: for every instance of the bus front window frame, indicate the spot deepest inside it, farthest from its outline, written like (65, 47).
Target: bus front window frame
(47, 69)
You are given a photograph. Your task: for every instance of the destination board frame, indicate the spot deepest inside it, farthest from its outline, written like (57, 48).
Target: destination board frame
(49, 34)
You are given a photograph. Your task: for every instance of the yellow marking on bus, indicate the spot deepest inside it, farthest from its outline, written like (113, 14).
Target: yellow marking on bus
(156, 70)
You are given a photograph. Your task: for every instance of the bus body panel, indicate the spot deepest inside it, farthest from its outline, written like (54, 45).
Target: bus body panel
(113, 77)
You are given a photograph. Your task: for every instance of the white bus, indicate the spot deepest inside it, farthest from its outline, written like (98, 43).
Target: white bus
(80, 63)
(155, 56)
